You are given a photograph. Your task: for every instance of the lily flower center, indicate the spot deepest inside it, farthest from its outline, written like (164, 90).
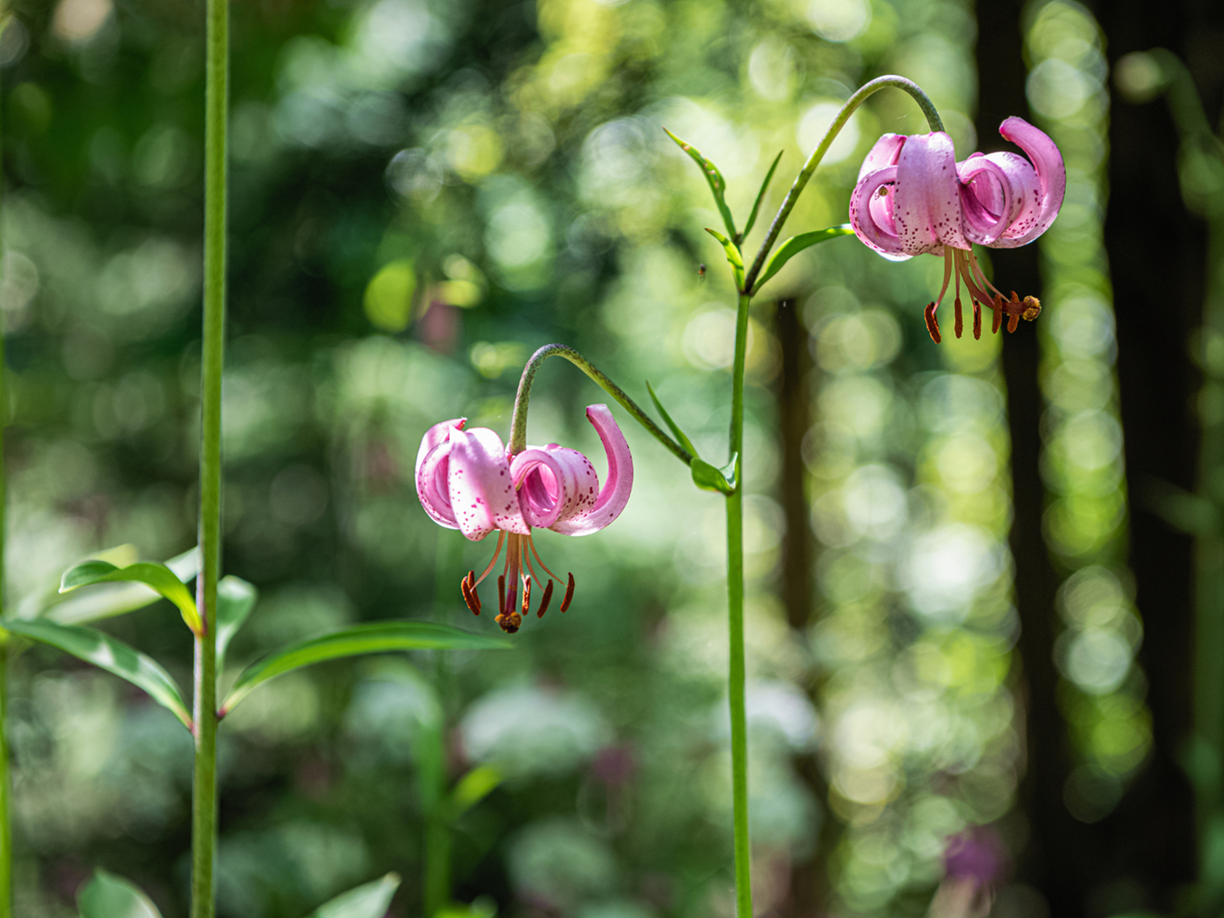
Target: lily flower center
(517, 569)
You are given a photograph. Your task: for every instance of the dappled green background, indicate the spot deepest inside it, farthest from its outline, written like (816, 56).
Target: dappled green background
(422, 193)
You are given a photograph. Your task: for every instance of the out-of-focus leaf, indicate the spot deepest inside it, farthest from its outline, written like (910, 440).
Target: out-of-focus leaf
(235, 600)
(374, 637)
(367, 901)
(756, 205)
(105, 600)
(110, 896)
(110, 654)
(671, 425)
(733, 256)
(151, 573)
(796, 244)
(709, 478)
(718, 185)
(473, 787)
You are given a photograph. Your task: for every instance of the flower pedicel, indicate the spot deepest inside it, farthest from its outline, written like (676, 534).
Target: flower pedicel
(913, 198)
(467, 480)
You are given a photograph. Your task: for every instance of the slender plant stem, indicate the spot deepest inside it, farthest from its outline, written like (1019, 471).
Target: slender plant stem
(437, 860)
(6, 824)
(518, 424)
(204, 800)
(788, 203)
(735, 616)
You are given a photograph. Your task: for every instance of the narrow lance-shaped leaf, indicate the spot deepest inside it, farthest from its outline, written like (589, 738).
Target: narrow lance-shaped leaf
(367, 901)
(671, 425)
(472, 788)
(374, 637)
(151, 573)
(110, 896)
(710, 478)
(110, 654)
(756, 205)
(796, 244)
(718, 185)
(733, 256)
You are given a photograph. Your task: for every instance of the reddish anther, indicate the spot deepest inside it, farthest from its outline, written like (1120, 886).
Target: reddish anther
(546, 599)
(501, 592)
(932, 323)
(469, 595)
(569, 594)
(526, 594)
(960, 322)
(977, 320)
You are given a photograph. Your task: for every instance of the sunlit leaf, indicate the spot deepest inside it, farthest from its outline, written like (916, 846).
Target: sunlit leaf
(484, 907)
(710, 478)
(374, 637)
(110, 654)
(733, 256)
(367, 901)
(110, 896)
(473, 787)
(151, 573)
(671, 425)
(756, 205)
(235, 600)
(105, 600)
(718, 185)
(796, 244)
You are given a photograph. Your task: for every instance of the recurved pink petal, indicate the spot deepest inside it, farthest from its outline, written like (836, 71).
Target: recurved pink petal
(928, 207)
(482, 495)
(883, 153)
(1042, 203)
(872, 215)
(993, 191)
(431, 472)
(553, 483)
(591, 517)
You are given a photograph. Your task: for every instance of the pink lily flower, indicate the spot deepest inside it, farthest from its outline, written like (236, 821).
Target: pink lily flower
(912, 198)
(467, 480)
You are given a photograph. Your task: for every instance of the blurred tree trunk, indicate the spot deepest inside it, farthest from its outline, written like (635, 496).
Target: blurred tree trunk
(1052, 859)
(1157, 256)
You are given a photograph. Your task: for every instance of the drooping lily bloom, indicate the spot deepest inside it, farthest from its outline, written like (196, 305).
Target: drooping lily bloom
(913, 198)
(467, 480)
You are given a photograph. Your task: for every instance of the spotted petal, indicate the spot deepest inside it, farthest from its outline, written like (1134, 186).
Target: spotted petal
(884, 152)
(553, 483)
(482, 494)
(928, 207)
(586, 517)
(432, 467)
(1036, 189)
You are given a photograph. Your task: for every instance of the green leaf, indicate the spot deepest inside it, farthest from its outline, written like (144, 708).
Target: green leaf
(756, 205)
(235, 600)
(796, 244)
(374, 637)
(671, 425)
(483, 907)
(472, 788)
(110, 654)
(733, 256)
(718, 185)
(367, 901)
(110, 896)
(709, 478)
(105, 600)
(151, 573)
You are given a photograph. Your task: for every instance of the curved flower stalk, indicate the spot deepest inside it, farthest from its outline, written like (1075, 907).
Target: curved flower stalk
(468, 480)
(913, 198)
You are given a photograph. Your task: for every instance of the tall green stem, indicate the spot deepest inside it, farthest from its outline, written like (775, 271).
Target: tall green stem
(735, 617)
(6, 825)
(204, 800)
(801, 180)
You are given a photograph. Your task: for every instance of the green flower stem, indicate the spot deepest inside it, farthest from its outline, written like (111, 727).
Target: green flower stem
(204, 798)
(437, 859)
(6, 825)
(518, 425)
(735, 616)
(788, 204)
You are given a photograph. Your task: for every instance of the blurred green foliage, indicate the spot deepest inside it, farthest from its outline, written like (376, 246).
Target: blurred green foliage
(423, 192)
